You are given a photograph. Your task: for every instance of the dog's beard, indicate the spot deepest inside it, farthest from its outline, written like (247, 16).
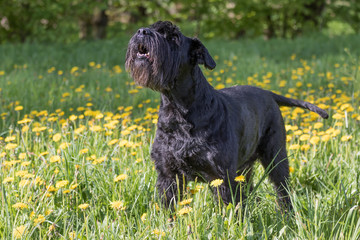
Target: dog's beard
(151, 62)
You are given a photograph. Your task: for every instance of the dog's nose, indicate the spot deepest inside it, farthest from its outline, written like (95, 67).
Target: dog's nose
(144, 31)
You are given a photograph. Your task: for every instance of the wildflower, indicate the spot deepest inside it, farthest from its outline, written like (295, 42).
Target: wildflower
(55, 159)
(8, 179)
(240, 178)
(22, 156)
(158, 232)
(72, 118)
(291, 169)
(184, 211)
(19, 231)
(73, 186)
(56, 137)
(62, 183)
(10, 146)
(40, 219)
(216, 182)
(346, 138)
(84, 150)
(117, 205)
(294, 147)
(23, 183)
(143, 217)
(64, 145)
(185, 202)
(20, 205)
(314, 140)
(10, 138)
(318, 125)
(19, 108)
(112, 142)
(120, 177)
(83, 206)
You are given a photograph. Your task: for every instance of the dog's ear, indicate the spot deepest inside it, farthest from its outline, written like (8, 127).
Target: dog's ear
(200, 55)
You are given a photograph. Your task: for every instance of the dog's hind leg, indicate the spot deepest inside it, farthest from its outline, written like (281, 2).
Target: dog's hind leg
(273, 157)
(169, 189)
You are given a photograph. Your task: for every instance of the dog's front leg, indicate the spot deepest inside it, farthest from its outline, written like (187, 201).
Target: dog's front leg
(169, 188)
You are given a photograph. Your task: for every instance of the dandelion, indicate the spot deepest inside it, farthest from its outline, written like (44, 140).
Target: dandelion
(346, 138)
(61, 184)
(216, 182)
(158, 232)
(55, 159)
(120, 177)
(184, 210)
(73, 186)
(56, 137)
(143, 217)
(83, 206)
(40, 219)
(20, 205)
(117, 205)
(314, 140)
(240, 178)
(19, 231)
(185, 202)
(84, 150)
(291, 169)
(19, 108)
(8, 179)
(112, 142)
(294, 147)
(10, 138)
(10, 146)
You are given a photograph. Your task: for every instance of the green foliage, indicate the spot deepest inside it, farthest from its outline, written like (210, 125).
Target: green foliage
(48, 20)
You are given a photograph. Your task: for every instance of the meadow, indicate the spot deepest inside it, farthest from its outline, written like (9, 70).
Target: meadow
(76, 133)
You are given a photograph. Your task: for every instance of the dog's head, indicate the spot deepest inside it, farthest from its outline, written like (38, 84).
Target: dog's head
(158, 54)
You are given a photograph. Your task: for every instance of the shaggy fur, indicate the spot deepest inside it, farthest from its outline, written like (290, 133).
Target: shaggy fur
(201, 132)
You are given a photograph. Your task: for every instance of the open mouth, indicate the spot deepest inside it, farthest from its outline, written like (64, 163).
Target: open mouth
(143, 52)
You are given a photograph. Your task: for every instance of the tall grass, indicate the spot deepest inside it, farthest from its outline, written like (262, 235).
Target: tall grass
(76, 135)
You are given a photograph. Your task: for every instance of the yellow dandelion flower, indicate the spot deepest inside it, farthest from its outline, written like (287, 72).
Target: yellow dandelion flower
(120, 177)
(216, 182)
(43, 154)
(19, 232)
(64, 145)
(10, 146)
(314, 140)
(304, 137)
(240, 178)
(56, 137)
(346, 138)
(73, 118)
(8, 179)
(112, 142)
(294, 147)
(61, 184)
(40, 219)
(158, 232)
(84, 150)
(184, 211)
(291, 169)
(117, 205)
(20, 205)
(318, 125)
(185, 202)
(19, 108)
(143, 217)
(73, 186)
(55, 159)
(10, 138)
(83, 206)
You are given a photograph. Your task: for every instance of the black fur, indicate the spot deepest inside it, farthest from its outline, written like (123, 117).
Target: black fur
(201, 132)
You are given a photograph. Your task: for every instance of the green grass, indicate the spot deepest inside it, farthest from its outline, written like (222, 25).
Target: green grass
(101, 126)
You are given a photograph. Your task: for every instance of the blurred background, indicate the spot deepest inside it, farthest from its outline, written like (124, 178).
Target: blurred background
(73, 20)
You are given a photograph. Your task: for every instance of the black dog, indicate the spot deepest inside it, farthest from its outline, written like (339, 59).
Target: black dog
(202, 132)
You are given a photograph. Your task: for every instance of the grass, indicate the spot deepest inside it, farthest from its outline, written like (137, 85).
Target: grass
(76, 135)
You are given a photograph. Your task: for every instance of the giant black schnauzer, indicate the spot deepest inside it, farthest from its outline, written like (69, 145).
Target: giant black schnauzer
(205, 133)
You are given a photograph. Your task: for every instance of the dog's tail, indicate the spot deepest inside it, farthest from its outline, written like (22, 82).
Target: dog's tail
(289, 102)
